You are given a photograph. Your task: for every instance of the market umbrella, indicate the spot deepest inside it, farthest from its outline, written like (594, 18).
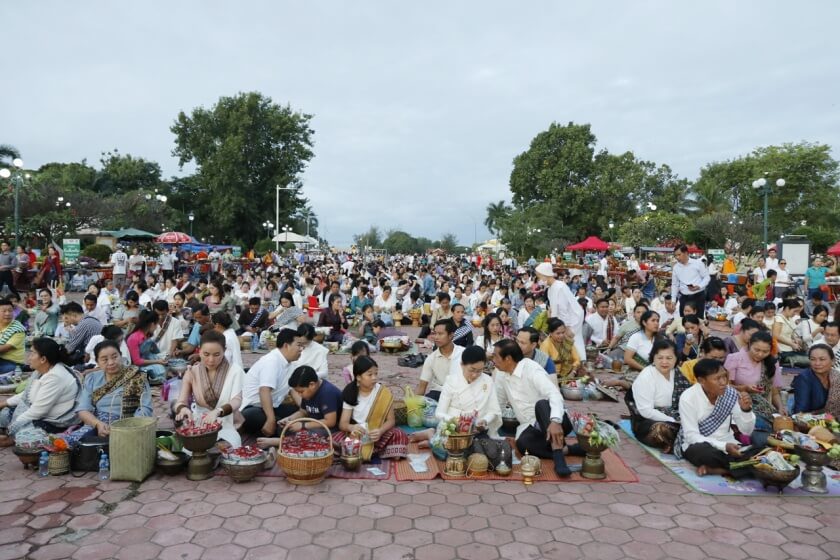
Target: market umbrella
(591, 243)
(175, 237)
(834, 250)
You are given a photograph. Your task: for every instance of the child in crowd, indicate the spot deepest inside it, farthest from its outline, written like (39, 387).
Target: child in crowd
(359, 348)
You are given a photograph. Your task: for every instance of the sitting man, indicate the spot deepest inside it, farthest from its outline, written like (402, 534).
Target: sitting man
(254, 319)
(313, 354)
(528, 339)
(267, 385)
(201, 323)
(537, 403)
(168, 332)
(12, 336)
(437, 366)
(604, 326)
(85, 328)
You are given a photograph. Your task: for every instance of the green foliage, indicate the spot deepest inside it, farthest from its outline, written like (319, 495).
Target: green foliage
(448, 243)
(264, 246)
(7, 154)
(400, 242)
(496, 212)
(102, 253)
(725, 230)
(653, 228)
(820, 238)
(242, 147)
(124, 173)
(371, 238)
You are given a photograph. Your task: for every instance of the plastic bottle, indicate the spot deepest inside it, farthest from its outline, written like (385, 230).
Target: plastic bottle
(44, 464)
(255, 342)
(104, 467)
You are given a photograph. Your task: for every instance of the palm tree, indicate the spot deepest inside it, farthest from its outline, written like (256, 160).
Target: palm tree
(7, 154)
(709, 198)
(496, 211)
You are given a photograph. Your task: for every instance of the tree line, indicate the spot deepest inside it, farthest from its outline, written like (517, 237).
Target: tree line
(242, 148)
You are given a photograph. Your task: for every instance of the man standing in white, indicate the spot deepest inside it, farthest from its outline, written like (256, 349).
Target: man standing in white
(120, 261)
(563, 305)
(688, 281)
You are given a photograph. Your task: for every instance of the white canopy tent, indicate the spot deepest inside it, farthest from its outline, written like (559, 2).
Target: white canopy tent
(291, 237)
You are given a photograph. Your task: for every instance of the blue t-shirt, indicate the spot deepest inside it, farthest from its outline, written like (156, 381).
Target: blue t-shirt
(815, 276)
(195, 335)
(326, 400)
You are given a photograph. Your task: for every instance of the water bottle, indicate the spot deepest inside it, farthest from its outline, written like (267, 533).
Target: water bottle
(104, 467)
(44, 464)
(255, 342)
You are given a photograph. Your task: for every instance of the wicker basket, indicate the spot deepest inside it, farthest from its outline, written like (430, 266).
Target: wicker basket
(304, 471)
(782, 423)
(133, 449)
(401, 413)
(59, 463)
(243, 471)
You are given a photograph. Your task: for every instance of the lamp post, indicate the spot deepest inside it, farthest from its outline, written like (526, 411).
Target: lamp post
(268, 226)
(611, 226)
(763, 187)
(191, 217)
(17, 182)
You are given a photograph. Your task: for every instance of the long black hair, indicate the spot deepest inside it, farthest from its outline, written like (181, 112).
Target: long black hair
(362, 365)
(52, 351)
(769, 363)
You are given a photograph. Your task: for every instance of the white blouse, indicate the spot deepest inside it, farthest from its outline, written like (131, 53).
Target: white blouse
(641, 344)
(651, 390)
(365, 403)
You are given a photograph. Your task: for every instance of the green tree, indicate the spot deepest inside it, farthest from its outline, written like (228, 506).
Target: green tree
(725, 230)
(123, 173)
(496, 211)
(653, 228)
(400, 242)
(448, 242)
(710, 197)
(7, 154)
(242, 148)
(371, 238)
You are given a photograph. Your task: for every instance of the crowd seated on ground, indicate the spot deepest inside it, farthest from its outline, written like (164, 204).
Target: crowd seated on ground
(532, 320)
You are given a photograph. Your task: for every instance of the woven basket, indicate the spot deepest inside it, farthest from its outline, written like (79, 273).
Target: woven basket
(401, 413)
(133, 450)
(782, 423)
(243, 471)
(304, 471)
(59, 463)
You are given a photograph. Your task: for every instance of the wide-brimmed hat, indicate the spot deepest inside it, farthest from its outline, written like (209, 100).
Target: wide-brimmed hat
(545, 269)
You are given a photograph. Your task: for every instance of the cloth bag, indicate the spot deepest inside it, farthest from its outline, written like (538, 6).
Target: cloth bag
(133, 449)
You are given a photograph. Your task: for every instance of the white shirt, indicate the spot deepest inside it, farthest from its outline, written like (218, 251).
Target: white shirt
(233, 351)
(436, 368)
(695, 406)
(641, 344)
(602, 267)
(459, 397)
(363, 406)
(633, 264)
(523, 388)
(782, 278)
(52, 395)
(314, 355)
(145, 301)
(693, 272)
(770, 264)
(564, 306)
(651, 390)
(98, 313)
(386, 306)
(272, 370)
(120, 261)
(599, 327)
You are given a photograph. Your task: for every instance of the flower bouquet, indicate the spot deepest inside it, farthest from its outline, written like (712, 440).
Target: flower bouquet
(595, 432)
(59, 461)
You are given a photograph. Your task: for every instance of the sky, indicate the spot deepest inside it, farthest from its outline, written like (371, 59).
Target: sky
(420, 107)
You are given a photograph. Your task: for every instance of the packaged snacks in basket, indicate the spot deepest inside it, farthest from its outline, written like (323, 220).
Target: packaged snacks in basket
(191, 428)
(306, 445)
(245, 454)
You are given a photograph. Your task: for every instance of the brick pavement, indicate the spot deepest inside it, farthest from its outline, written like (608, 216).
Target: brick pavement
(166, 517)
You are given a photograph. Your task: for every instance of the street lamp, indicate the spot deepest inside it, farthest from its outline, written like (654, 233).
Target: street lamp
(763, 187)
(611, 226)
(277, 210)
(17, 181)
(191, 217)
(268, 226)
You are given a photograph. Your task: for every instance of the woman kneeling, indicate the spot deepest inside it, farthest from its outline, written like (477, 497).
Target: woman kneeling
(368, 413)
(707, 411)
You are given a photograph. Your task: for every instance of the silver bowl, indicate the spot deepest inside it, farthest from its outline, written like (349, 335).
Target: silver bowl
(572, 393)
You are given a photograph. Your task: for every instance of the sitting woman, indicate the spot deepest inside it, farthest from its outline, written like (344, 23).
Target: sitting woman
(754, 371)
(463, 329)
(492, 333)
(12, 335)
(333, 317)
(466, 391)
(529, 312)
(319, 400)
(144, 352)
(713, 348)
(707, 411)
(385, 304)
(215, 386)
(507, 327)
(811, 329)
(817, 389)
(370, 327)
(640, 344)
(46, 314)
(368, 413)
(288, 315)
(560, 347)
(654, 398)
(47, 405)
(112, 392)
(784, 330)
(690, 342)
(126, 316)
(735, 342)
(222, 323)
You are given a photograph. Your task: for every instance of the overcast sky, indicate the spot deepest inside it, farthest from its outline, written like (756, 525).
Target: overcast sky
(419, 108)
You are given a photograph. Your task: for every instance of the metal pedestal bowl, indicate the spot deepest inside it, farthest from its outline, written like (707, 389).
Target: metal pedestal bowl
(200, 466)
(773, 477)
(593, 465)
(813, 477)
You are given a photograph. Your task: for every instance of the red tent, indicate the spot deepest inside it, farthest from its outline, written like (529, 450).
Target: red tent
(695, 250)
(591, 243)
(834, 250)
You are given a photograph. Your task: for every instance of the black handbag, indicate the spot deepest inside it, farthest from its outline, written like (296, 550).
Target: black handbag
(85, 456)
(492, 449)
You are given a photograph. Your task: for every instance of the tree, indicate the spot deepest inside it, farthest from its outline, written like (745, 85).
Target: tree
(400, 242)
(122, 173)
(496, 211)
(653, 228)
(242, 148)
(725, 230)
(448, 243)
(371, 238)
(7, 154)
(709, 197)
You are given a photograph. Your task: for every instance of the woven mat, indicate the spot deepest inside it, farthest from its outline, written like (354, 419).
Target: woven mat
(617, 470)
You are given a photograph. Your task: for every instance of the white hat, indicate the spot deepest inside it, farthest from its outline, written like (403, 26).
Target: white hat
(545, 269)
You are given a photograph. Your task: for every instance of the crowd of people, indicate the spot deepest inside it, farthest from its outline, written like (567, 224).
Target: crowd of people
(503, 335)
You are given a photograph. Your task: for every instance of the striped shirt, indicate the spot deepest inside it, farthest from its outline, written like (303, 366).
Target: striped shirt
(87, 328)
